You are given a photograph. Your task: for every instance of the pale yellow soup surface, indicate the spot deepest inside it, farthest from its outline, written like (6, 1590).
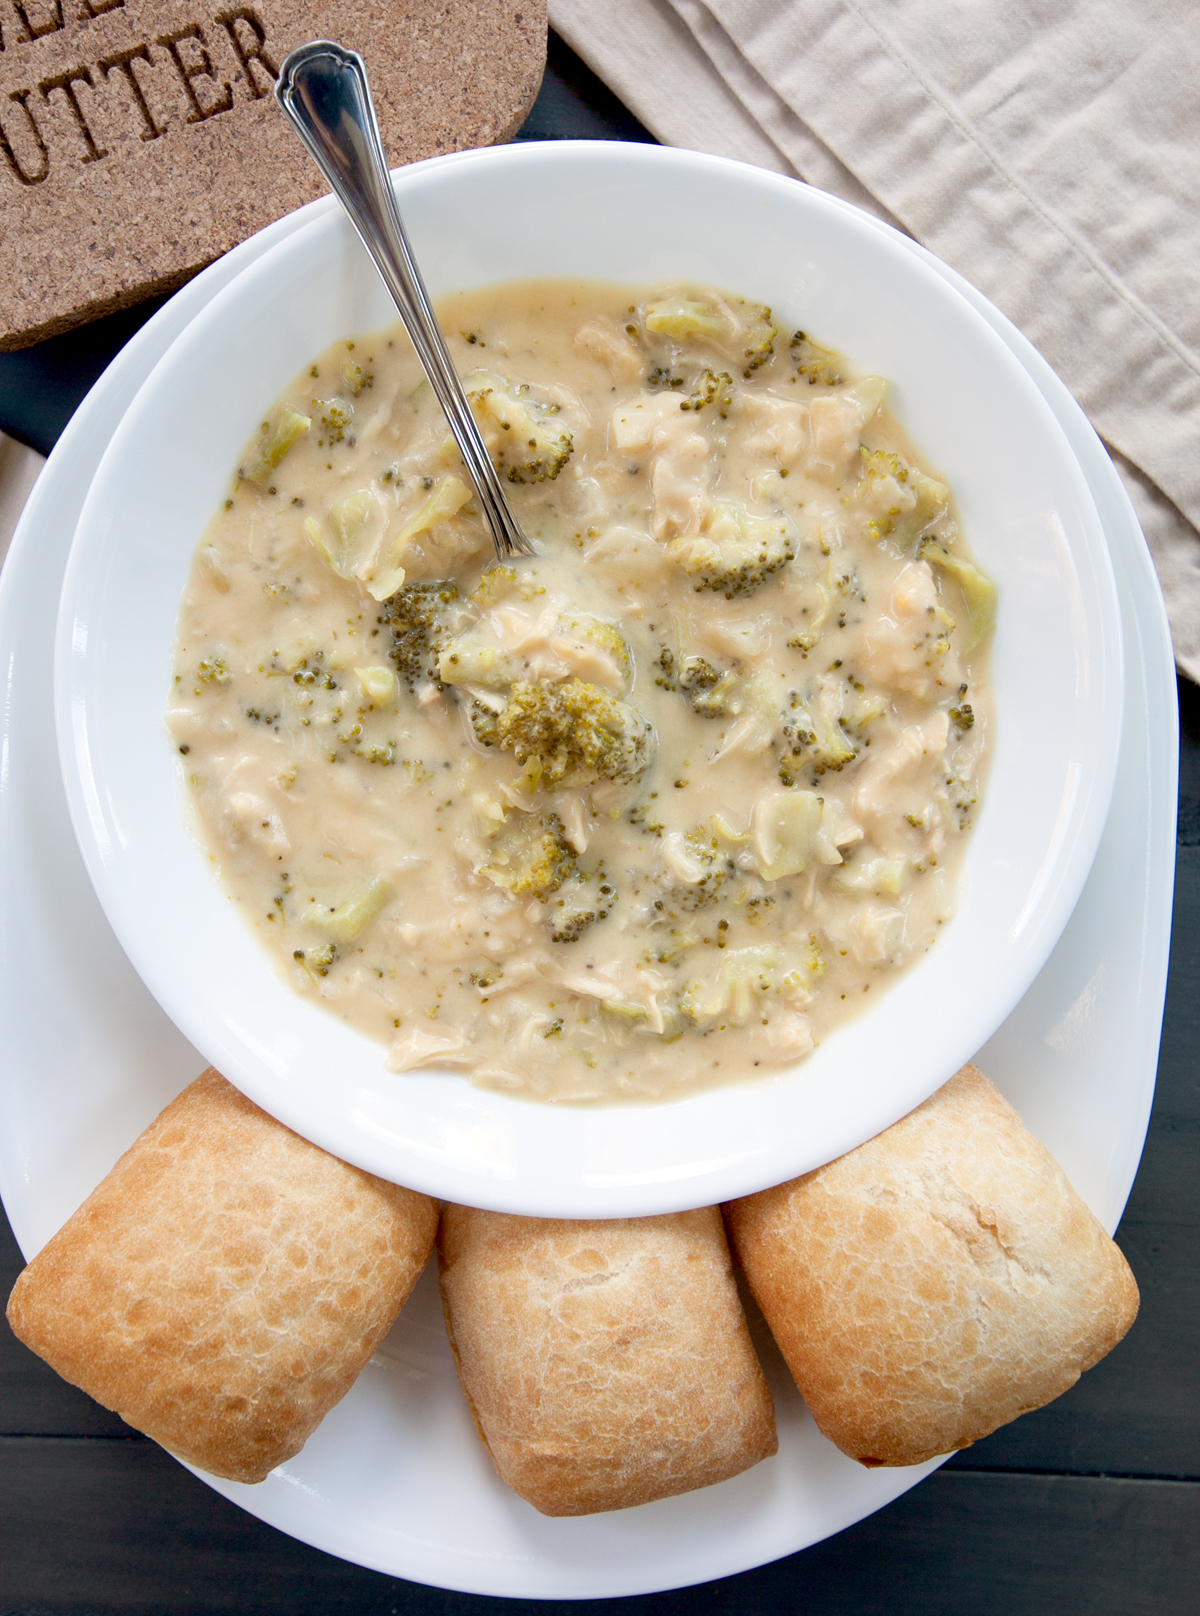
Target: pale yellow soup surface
(655, 810)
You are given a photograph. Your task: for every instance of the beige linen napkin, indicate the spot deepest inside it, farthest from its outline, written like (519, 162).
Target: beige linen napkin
(19, 468)
(1050, 154)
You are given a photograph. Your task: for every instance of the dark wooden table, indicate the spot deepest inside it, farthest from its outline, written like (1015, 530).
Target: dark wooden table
(1090, 1506)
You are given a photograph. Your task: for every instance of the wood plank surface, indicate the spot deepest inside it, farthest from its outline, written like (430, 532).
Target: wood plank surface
(1091, 1505)
(145, 1535)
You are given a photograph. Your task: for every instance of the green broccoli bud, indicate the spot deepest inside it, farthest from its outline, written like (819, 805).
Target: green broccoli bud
(335, 416)
(906, 499)
(815, 739)
(496, 582)
(573, 734)
(532, 856)
(523, 438)
(584, 901)
(712, 387)
(417, 619)
(213, 670)
(758, 335)
(355, 379)
(738, 552)
(817, 363)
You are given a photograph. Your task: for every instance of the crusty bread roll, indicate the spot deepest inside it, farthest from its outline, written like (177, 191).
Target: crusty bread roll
(224, 1285)
(936, 1282)
(606, 1363)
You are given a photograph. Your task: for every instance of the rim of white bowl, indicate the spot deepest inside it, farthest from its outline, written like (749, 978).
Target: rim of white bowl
(487, 1149)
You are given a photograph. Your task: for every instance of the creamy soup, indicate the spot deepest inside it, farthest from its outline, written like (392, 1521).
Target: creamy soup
(654, 810)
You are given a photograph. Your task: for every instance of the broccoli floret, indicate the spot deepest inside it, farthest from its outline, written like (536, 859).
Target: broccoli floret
(978, 590)
(684, 319)
(278, 436)
(738, 552)
(213, 670)
(701, 865)
(532, 856)
(817, 363)
(316, 961)
(485, 723)
(712, 387)
(906, 499)
(584, 900)
(496, 582)
(355, 379)
(335, 416)
(758, 335)
(815, 739)
(668, 677)
(714, 702)
(522, 435)
(696, 677)
(573, 734)
(416, 617)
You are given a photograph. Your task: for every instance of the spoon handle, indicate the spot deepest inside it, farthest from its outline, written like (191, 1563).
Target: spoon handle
(322, 89)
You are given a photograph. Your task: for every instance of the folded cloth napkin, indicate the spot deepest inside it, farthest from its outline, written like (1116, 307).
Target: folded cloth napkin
(1051, 154)
(19, 468)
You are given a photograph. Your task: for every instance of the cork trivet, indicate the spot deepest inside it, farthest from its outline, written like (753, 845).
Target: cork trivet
(139, 139)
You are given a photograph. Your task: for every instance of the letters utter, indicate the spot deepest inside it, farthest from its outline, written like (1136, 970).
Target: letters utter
(139, 139)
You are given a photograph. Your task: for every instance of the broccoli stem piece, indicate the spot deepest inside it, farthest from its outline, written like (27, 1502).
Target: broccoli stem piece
(353, 915)
(278, 436)
(446, 500)
(682, 318)
(978, 590)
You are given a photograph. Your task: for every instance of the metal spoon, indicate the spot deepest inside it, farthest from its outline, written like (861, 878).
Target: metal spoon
(322, 89)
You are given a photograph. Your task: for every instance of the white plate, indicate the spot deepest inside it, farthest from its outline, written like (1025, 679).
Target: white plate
(395, 1478)
(640, 213)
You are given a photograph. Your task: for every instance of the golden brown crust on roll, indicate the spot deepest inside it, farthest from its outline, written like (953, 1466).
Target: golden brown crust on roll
(607, 1363)
(936, 1282)
(225, 1284)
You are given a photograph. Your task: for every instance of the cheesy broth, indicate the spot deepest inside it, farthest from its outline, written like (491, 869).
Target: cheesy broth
(654, 810)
